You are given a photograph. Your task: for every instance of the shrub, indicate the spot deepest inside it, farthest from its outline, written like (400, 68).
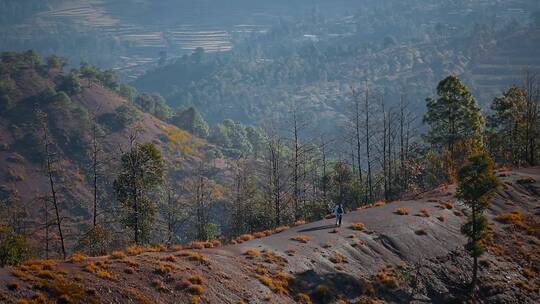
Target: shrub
(358, 227)
(385, 277)
(259, 234)
(301, 238)
(402, 211)
(102, 274)
(13, 247)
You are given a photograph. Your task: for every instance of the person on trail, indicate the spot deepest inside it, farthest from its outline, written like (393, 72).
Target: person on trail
(338, 211)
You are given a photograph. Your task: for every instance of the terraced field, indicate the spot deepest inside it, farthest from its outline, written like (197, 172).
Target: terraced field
(506, 64)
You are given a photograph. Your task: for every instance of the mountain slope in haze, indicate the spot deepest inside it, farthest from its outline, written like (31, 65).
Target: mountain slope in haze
(392, 258)
(25, 87)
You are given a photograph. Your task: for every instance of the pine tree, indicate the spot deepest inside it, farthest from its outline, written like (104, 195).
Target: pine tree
(142, 173)
(454, 117)
(477, 186)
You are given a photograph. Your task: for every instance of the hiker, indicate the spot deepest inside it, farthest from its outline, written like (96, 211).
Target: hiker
(338, 211)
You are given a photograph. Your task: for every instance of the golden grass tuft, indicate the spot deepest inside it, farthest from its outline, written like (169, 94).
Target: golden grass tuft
(163, 269)
(159, 285)
(135, 250)
(196, 279)
(195, 289)
(103, 274)
(299, 222)
(118, 255)
(514, 218)
(252, 253)
(301, 238)
(402, 211)
(246, 237)
(379, 203)
(337, 258)
(358, 227)
(195, 256)
(281, 229)
(385, 277)
(77, 258)
(303, 298)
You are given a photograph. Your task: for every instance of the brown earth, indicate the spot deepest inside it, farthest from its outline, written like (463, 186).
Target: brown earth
(414, 258)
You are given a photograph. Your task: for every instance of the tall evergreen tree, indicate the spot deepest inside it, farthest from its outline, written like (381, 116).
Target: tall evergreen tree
(142, 173)
(453, 117)
(477, 186)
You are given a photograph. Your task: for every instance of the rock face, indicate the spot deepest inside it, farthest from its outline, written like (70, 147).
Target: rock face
(393, 258)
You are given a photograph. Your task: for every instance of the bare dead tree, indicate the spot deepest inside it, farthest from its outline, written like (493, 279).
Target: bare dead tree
(51, 171)
(357, 130)
(368, 146)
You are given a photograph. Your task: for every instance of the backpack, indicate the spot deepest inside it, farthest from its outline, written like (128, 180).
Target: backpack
(340, 210)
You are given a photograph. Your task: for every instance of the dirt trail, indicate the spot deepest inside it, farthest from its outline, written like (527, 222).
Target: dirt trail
(394, 258)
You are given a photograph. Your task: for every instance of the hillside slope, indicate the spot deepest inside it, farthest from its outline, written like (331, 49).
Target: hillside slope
(24, 185)
(395, 259)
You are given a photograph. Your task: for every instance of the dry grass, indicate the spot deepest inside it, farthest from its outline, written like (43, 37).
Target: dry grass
(261, 234)
(330, 216)
(528, 273)
(135, 250)
(402, 211)
(159, 285)
(195, 289)
(196, 279)
(77, 258)
(303, 298)
(337, 258)
(514, 218)
(281, 229)
(196, 245)
(301, 238)
(379, 203)
(103, 274)
(118, 255)
(299, 222)
(386, 278)
(195, 256)
(358, 227)
(163, 269)
(278, 283)
(252, 253)
(424, 213)
(447, 205)
(171, 258)
(527, 286)
(246, 237)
